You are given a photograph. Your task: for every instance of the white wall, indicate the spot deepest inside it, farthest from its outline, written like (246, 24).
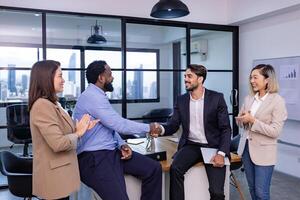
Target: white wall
(273, 37)
(241, 11)
(201, 11)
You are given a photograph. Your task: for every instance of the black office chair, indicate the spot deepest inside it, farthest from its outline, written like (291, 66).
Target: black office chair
(235, 165)
(157, 115)
(18, 129)
(19, 174)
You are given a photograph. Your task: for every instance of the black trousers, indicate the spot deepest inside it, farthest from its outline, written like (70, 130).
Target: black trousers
(104, 172)
(66, 198)
(184, 159)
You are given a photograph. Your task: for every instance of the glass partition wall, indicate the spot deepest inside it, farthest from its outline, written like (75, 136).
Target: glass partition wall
(148, 57)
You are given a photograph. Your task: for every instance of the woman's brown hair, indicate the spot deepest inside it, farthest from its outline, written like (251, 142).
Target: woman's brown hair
(42, 81)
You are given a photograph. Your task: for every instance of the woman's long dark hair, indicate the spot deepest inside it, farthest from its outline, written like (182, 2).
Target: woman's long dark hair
(42, 81)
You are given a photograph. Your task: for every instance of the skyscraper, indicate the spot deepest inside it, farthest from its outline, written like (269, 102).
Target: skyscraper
(138, 84)
(72, 64)
(0, 91)
(12, 78)
(153, 91)
(24, 82)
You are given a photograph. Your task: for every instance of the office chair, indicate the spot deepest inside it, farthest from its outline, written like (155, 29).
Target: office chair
(157, 115)
(19, 174)
(235, 165)
(18, 129)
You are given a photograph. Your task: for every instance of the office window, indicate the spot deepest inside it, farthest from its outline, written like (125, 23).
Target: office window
(70, 64)
(142, 84)
(20, 39)
(15, 65)
(74, 30)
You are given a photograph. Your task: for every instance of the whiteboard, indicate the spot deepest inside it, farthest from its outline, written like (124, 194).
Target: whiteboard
(287, 72)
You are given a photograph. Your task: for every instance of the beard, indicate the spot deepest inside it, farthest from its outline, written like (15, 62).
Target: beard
(108, 87)
(191, 88)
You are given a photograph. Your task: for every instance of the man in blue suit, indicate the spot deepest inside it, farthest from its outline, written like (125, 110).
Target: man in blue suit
(205, 123)
(103, 156)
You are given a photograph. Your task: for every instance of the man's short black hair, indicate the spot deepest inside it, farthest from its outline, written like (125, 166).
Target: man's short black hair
(199, 70)
(94, 70)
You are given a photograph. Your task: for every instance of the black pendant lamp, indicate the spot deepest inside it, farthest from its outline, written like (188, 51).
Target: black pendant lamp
(96, 38)
(169, 9)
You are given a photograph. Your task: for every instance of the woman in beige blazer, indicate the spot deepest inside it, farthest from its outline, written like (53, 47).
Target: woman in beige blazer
(54, 135)
(262, 117)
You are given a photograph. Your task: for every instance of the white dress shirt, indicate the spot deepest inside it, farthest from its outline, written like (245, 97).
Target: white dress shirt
(197, 133)
(257, 102)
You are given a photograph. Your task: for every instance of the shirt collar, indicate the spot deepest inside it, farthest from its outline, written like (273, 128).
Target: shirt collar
(257, 98)
(94, 87)
(198, 99)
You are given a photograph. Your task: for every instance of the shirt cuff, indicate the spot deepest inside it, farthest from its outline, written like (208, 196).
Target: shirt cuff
(221, 153)
(121, 144)
(162, 130)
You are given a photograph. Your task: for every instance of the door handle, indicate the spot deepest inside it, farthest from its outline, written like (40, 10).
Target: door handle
(233, 97)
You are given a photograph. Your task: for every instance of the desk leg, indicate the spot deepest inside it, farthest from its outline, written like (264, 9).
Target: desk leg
(163, 185)
(227, 183)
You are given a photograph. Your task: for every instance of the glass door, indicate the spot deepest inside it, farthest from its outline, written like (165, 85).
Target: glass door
(215, 50)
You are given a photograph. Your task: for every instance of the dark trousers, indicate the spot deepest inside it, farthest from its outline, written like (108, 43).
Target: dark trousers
(104, 172)
(66, 198)
(184, 159)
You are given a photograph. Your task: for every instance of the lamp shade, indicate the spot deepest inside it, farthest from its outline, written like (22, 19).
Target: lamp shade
(169, 9)
(96, 38)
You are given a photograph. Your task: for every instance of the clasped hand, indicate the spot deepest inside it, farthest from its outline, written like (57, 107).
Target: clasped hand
(85, 124)
(126, 152)
(245, 118)
(155, 129)
(217, 160)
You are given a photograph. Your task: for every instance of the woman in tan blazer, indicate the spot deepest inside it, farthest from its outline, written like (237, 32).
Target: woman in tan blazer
(54, 135)
(262, 117)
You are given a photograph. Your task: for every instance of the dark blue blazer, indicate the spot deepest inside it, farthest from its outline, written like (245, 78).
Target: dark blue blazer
(216, 120)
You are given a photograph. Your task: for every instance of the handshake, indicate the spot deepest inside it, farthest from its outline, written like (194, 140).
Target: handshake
(155, 129)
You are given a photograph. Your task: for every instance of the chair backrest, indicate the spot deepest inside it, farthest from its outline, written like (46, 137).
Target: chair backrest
(158, 115)
(19, 173)
(234, 144)
(12, 163)
(18, 129)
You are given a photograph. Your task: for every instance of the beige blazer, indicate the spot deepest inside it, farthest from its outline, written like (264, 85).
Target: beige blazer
(55, 165)
(263, 134)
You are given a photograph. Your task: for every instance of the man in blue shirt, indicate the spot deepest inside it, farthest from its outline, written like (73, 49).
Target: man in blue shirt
(103, 156)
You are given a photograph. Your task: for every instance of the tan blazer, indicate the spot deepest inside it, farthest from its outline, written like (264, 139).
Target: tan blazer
(263, 134)
(55, 165)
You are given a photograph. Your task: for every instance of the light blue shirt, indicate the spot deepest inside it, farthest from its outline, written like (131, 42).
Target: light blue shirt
(105, 134)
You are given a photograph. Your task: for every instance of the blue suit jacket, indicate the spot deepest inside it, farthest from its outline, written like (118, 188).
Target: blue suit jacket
(216, 120)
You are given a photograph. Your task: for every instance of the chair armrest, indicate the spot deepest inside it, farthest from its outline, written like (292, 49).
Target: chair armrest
(18, 174)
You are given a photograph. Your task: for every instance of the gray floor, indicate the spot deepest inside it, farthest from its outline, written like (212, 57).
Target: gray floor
(284, 187)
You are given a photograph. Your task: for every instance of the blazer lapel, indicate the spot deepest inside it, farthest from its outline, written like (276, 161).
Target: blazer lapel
(249, 103)
(66, 117)
(206, 106)
(186, 106)
(264, 104)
